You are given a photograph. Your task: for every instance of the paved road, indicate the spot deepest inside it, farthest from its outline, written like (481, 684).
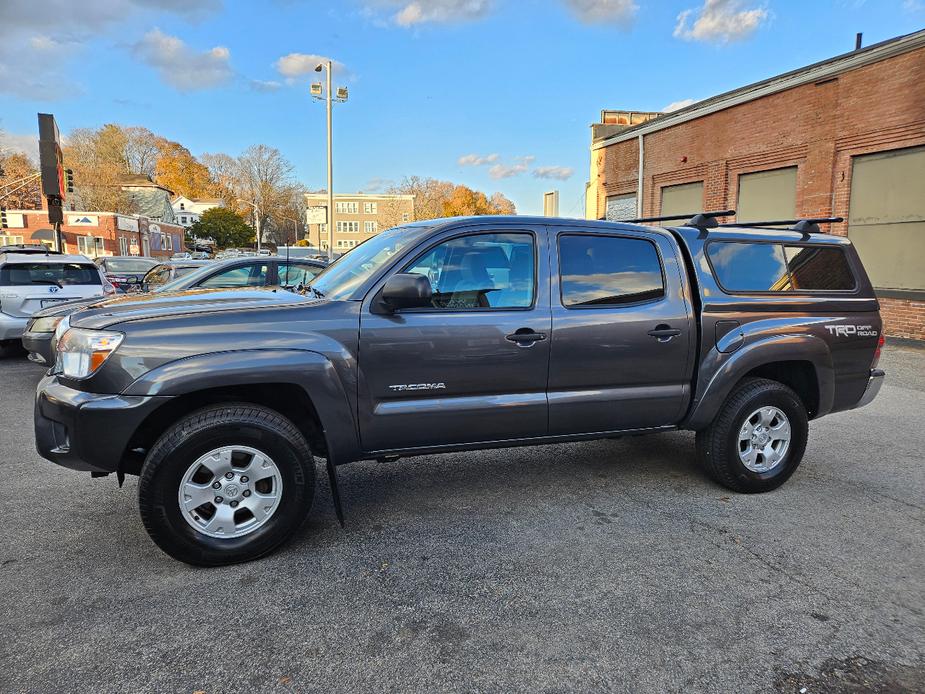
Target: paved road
(603, 565)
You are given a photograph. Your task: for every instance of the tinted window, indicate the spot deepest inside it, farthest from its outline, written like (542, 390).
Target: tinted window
(772, 267)
(608, 271)
(750, 267)
(247, 276)
(294, 274)
(818, 268)
(480, 271)
(18, 274)
(133, 265)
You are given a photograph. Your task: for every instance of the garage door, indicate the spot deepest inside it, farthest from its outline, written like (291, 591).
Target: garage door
(886, 218)
(621, 207)
(686, 198)
(767, 195)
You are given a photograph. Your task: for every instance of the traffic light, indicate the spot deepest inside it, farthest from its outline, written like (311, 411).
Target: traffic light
(3, 224)
(69, 180)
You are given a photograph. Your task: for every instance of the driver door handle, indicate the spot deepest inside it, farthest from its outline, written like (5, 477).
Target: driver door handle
(525, 337)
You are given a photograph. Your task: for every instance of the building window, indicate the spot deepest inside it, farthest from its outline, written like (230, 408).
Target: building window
(348, 227)
(168, 242)
(123, 245)
(886, 217)
(86, 245)
(323, 228)
(370, 207)
(620, 207)
(370, 227)
(405, 217)
(346, 207)
(182, 206)
(767, 195)
(683, 199)
(10, 240)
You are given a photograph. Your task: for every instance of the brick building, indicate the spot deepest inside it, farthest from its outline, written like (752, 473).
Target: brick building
(357, 217)
(96, 233)
(844, 137)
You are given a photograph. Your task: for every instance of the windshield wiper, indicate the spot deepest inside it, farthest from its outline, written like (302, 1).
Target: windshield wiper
(55, 282)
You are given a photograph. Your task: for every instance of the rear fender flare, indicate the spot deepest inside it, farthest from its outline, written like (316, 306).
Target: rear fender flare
(766, 351)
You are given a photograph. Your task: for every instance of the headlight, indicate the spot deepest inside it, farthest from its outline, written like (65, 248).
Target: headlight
(81, 352)
(44, 325)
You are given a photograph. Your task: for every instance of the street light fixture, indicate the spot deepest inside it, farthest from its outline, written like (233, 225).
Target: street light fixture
(328, 66)
(256, 219)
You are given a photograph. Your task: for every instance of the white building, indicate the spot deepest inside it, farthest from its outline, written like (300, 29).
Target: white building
(187, 211)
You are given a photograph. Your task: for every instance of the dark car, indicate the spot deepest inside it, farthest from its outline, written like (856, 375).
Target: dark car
(462, 334)
(252, 271)
(125, 272)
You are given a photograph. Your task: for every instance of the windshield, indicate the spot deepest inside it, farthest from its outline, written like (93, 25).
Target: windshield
(183, 275)
(343, 276)
(133, 265)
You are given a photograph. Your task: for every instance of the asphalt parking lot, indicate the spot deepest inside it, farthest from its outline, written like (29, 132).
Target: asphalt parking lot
(608, 565)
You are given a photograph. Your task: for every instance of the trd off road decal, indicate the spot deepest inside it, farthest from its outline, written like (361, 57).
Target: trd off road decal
(851, 330)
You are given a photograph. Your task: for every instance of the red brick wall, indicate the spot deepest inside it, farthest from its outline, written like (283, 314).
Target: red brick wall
(816, 127)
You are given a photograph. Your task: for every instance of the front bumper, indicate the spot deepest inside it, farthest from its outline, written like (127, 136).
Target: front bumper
(87, 431)
(873, 387)
(12, 327)
(41, 344)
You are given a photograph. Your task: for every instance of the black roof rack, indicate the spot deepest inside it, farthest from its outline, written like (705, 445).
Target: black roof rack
(704, 220)
(805, 226)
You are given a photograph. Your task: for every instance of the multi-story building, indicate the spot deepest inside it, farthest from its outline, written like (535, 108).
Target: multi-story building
(187, 211)
(96, 234)
(357, 216)
(844, 137)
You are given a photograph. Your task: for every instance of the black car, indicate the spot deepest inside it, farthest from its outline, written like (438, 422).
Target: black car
(125, 271)
(177, 276)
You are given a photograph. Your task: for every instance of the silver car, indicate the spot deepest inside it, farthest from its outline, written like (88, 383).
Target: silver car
(30, 282)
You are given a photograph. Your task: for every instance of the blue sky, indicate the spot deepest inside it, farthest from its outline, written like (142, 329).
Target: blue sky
(514, 83)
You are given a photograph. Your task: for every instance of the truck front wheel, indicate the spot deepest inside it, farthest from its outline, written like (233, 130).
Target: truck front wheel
(757, 439)
(226, 484)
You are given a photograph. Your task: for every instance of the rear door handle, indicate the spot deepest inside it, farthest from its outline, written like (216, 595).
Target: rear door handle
(663, 333)
(524, 337)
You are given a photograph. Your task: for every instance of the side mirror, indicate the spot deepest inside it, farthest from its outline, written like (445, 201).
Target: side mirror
(407, 290)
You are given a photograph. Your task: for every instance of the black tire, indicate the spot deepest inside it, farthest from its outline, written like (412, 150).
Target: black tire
(717, 445)
(193, 436)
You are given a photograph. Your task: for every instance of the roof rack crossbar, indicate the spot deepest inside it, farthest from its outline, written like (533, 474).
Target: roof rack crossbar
(809, 225)
(694, 219)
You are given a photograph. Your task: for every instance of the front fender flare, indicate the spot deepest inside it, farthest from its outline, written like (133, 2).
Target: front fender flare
(722, 372)
(313, 372)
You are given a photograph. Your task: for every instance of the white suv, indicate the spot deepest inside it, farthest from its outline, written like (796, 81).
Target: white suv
(32, 281)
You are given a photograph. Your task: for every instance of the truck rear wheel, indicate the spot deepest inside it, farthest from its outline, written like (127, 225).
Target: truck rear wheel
(226, 484)
(757, 439)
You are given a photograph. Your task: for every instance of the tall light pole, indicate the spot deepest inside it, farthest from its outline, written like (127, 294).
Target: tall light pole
(256, 219)
(328, 66)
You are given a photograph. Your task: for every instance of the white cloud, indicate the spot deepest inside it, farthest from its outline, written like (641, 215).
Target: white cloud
(25, 144)
(438, 11)
(719, 20)
(377, 184)
(913, 5)
(30, 67)
(559, 173)
(295, 65)
(181, 66)
(265, 85)
(477, 160)
(678, 105)
(604, 11)
(520, 165)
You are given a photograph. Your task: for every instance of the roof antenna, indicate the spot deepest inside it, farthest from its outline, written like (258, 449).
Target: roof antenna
(857, 40)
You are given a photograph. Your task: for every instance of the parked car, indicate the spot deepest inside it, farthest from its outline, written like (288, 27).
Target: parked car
(241, 272)
(31, 281)
(125, 272)
(38, 248)
(183, 255)
(463, 334)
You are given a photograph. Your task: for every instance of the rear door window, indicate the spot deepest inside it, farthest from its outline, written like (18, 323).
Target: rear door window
(63, 274)
(608, 271)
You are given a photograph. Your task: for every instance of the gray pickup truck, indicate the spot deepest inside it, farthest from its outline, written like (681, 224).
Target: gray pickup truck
(461, 334)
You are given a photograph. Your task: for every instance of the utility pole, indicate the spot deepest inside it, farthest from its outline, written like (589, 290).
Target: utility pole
(256, 219)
